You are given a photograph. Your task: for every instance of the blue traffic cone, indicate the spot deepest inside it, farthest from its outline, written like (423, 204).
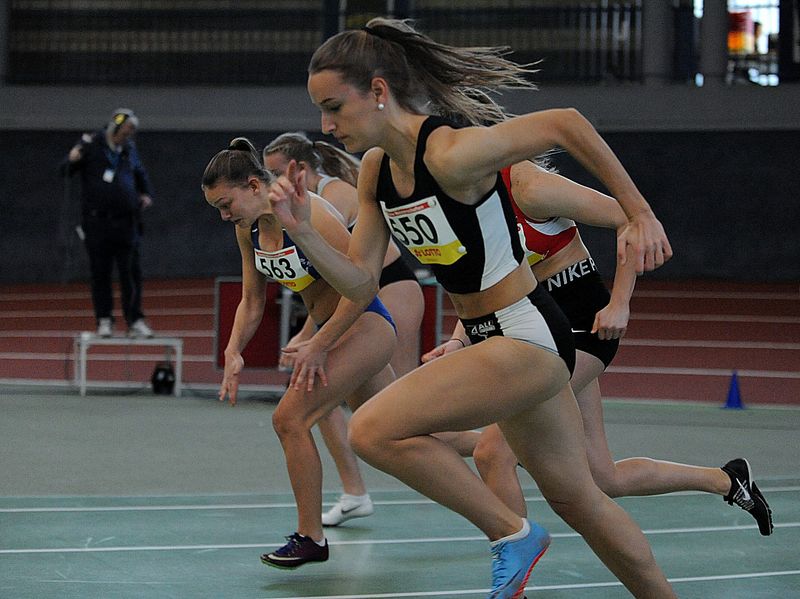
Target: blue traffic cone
(734, 401)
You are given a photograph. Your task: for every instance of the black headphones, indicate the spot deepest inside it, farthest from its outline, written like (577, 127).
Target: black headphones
(120, 117)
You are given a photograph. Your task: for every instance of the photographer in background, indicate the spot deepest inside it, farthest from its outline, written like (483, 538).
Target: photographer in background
(114, 190)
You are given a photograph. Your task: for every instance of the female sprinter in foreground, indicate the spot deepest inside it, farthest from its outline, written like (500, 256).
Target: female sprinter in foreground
(349, 352)
(437, 187)
(546, 206)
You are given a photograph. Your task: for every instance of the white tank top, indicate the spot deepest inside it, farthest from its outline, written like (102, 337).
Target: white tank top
(323, 183)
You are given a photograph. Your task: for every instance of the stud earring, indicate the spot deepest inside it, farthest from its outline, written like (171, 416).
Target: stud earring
(381, 105)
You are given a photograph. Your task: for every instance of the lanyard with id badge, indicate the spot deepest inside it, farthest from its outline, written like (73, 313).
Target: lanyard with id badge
(113, 158)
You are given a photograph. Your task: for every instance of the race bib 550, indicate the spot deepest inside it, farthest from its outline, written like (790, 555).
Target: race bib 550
(423, 228)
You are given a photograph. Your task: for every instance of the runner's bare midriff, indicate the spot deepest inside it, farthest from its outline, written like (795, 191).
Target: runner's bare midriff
(570, 254)
(512, 288)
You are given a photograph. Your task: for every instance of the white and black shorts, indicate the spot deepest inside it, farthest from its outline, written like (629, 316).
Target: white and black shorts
(536, 319)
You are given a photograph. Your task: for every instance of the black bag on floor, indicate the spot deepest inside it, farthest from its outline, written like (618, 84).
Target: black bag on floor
(163, 379)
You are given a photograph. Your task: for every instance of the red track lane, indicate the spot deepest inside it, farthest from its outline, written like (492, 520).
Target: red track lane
(684, 340)
(680, 327)
(719, 306)
(722, 330)
(190, 319)
(716, 286)
(708, 357)
(705, 388)
(191, 298)
(57, 289)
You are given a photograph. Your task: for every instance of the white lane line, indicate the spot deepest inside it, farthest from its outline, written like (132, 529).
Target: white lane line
(153, 508)
(464, 592)
(368, 542)
(147, 583)
(290, 504)
(457, 592)
(526, 489)
(735, 576)
(549, 587)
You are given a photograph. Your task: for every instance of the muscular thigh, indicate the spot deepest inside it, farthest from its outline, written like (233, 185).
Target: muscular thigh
(472, 387)
(587, 369)
(406, 304)
(548, 439)
(359, 355)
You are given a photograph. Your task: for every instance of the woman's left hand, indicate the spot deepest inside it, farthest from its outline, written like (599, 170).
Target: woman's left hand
(611, 322)
(309, 363)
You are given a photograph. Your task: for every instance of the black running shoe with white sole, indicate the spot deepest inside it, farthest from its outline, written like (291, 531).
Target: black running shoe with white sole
(746, 494)
(298, 551)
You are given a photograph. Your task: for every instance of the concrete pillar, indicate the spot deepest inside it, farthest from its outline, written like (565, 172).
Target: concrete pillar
(714, 42)
(658, 36)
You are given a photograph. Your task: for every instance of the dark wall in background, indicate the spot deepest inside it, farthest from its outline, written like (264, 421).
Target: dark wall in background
(730, 202)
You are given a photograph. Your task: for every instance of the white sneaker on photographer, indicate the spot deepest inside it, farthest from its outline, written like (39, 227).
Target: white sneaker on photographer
(104, 327)
(347, 508)
(140, 330)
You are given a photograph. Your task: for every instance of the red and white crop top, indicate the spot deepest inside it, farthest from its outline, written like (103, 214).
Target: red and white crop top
(540, 238)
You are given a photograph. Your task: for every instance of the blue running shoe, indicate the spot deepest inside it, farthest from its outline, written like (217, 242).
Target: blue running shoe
(513, 561)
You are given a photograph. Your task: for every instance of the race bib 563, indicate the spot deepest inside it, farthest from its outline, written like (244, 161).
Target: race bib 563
(285, 267)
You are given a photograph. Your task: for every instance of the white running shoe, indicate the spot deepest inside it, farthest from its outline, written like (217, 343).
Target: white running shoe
(104, 327)
(347, 508)
(140, 330)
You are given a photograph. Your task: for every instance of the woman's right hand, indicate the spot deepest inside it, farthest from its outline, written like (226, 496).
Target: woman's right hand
(646, 235)
(286, 360)
(234, 363)
(447, 347)
(289, 197)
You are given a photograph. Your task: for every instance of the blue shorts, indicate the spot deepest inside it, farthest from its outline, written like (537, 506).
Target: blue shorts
(376, 305)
